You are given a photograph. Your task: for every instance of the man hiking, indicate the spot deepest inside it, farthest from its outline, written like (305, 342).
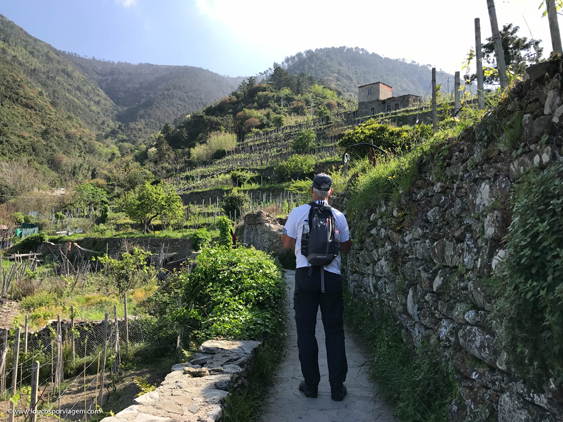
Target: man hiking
(319, 233)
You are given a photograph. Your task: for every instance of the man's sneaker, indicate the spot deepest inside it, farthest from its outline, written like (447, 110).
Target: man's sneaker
(309, 390)
(338, 393)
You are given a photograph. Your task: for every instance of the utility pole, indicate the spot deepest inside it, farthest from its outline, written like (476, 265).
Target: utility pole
(479, 54)
(553, 26)
(499, 52)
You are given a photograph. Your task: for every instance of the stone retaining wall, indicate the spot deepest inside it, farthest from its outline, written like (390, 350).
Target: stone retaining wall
(428, 257)
(195, 391)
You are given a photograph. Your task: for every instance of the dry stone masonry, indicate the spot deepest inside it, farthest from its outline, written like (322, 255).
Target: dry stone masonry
(195, 390)
(429, 257)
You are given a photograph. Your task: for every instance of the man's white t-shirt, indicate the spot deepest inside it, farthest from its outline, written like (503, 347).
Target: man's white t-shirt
(294, 228)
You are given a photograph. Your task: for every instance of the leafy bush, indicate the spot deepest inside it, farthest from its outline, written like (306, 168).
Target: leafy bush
(32, 242)
(304, 141)
(240, 177)
(217, 141)
(225, 238)
(529, 283)
(129, 272)
(393, 139)
(220, 153)
(19, 217)
(199, 239)
(234, 202)
(297, 166)
(41, 299)
(231, 293)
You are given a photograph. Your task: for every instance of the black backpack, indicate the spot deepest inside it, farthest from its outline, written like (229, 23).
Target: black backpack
(319, 245)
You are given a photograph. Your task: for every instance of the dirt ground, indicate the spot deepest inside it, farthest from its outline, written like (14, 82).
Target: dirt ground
(8, 311)
(76, 397)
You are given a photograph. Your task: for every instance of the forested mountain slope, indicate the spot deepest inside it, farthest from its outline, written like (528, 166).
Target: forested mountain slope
(149, 95)
(49, 71)
(346, 68)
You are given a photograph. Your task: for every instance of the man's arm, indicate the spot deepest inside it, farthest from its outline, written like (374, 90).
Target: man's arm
(346, 246)
(288, 242)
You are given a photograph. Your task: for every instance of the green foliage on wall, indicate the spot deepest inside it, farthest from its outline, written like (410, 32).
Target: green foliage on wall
(528, 286)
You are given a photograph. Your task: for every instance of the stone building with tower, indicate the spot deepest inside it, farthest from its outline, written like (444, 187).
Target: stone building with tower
(378, 98)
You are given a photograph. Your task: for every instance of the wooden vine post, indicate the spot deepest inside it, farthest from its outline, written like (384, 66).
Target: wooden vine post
(14, 374)
(34, 392)
(479, 56)
(457, 93)
(3, 363)
(434, 102)
(499, 52)
(553, 26)
(115, 366)
(103, 362)
(126, 325)
(72, 333)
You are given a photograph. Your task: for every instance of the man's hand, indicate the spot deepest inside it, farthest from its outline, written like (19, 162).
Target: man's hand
(288, 242)
(346, 246)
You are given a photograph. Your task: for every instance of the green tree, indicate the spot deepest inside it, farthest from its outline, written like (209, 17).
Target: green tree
(278, 120)
(519, 52)
(19, 217)
(130, 271)
(148, 202)
(233, 203)
(87, 195)
(304, 141)
(224, 225)
(297, 166)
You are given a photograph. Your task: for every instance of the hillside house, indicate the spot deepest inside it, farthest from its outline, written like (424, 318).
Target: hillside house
(378, 98)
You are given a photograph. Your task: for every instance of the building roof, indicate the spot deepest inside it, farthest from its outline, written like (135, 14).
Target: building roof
(373, 83)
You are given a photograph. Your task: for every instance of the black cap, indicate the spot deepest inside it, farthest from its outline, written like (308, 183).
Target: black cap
(322, 182)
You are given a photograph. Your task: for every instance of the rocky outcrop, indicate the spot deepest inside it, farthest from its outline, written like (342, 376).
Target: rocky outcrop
(262, 231)
(196, 390)
(428, 257)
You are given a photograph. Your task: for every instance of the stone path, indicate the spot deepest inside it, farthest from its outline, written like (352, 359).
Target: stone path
(287, 404)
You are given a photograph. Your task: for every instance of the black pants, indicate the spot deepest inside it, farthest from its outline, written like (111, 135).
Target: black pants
(306, 302)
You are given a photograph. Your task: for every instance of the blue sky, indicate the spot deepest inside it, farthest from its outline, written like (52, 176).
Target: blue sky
(244, 37)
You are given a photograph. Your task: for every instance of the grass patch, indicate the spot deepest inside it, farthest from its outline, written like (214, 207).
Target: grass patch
(419, 386)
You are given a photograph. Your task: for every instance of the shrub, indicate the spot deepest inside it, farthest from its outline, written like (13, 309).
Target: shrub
(234, 202)
(297, 166)
(240, 177)
(199, 239)
(19, 217)
(39, 300)
(225, 238)
(32, 242)
(129, 272)
(528, 285)
(217, 141)
(304, 141)
(232, 293)
(220, 153)
(384, 136)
